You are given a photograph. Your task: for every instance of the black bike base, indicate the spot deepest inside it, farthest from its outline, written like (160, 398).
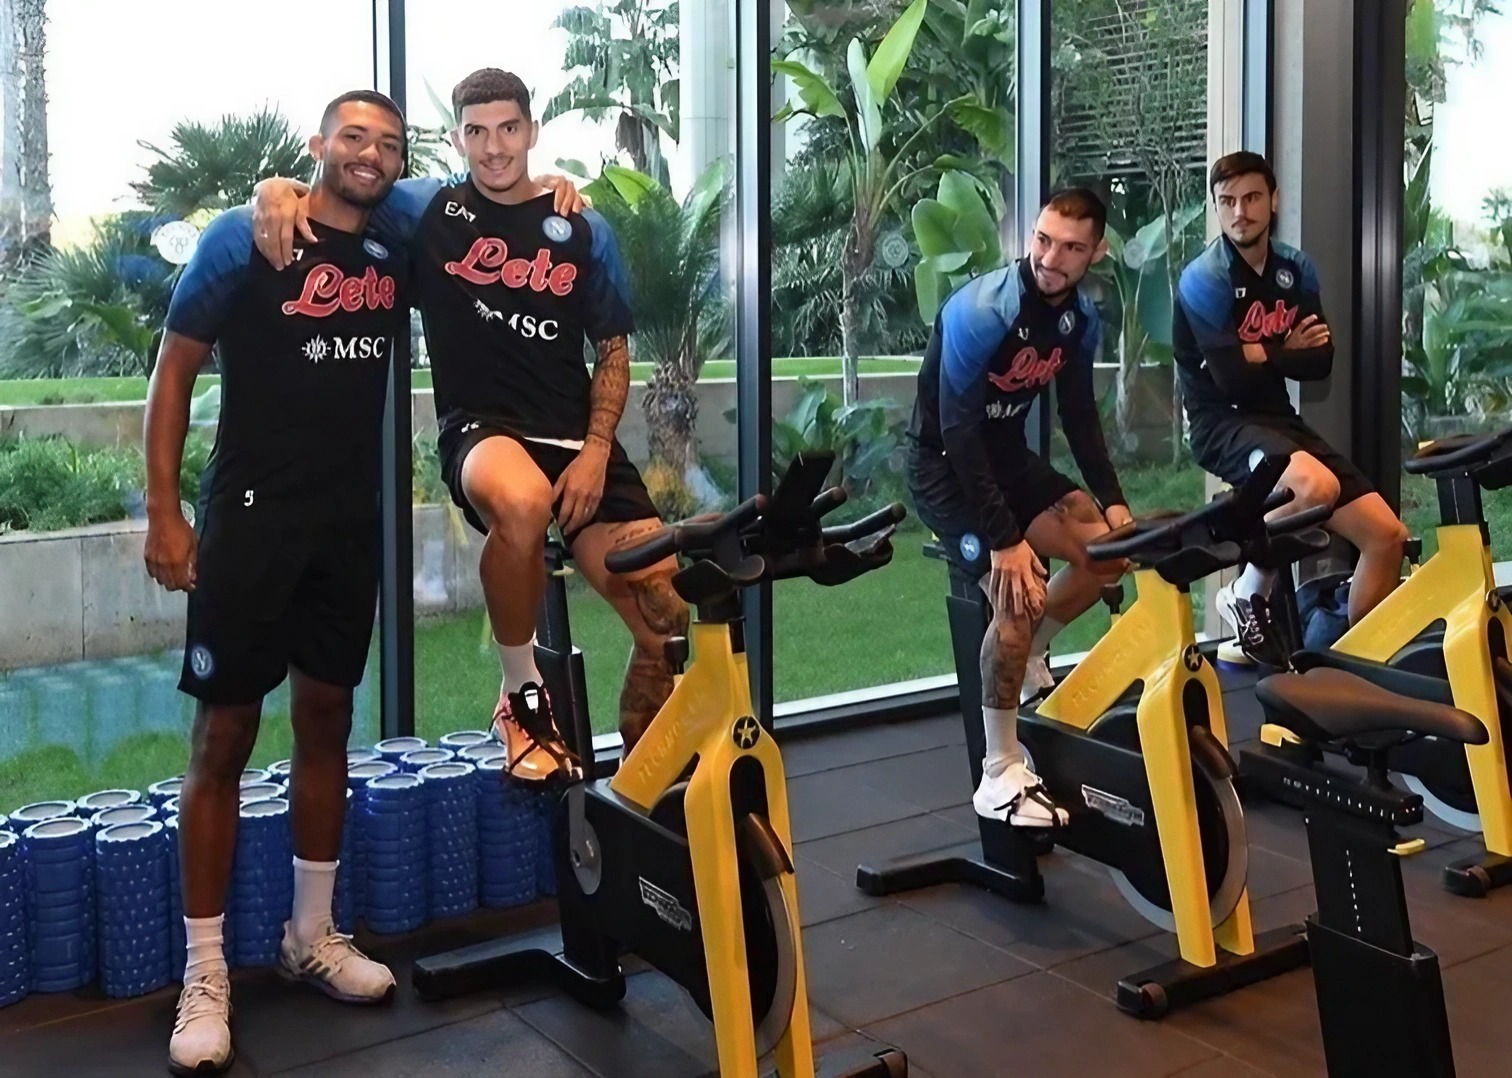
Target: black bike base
(1474, 877)
(533, 956)
(862, 1063)
(963, 863)
(1170, 986)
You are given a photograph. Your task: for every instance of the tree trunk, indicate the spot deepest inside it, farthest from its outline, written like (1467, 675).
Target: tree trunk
(671, 409)
(857, 257)
(36, 188)
(1128, 375)
(10, 131)
(1178, 412)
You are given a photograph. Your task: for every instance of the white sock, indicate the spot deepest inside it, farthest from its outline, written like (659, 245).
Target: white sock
(1048, 627)
(314, 889)
(206, 946)
(1001, 726)
(519, 665)
(1254, 581)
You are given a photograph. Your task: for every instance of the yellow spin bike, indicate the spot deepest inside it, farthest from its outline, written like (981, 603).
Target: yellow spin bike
(694, 872)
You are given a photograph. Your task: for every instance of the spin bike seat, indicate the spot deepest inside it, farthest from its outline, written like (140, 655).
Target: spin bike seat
(1331, 705)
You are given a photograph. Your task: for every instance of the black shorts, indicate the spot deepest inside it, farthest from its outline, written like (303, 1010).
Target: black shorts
(273, 594)
(1229, 447)
(1030, 485)
(625, 495)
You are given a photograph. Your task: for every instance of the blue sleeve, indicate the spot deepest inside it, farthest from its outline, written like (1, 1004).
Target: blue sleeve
(397, 218)
(1206, 298)
(974, 322)
(208, 286)
(606, 296)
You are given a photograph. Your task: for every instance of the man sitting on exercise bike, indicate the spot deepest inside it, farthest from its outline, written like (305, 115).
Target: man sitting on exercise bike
(1248, 315)
(997, 507)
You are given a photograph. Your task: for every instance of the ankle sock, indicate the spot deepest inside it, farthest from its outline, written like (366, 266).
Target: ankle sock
(519, 665)
(314, 889)
(205, 945)
(1003, 750)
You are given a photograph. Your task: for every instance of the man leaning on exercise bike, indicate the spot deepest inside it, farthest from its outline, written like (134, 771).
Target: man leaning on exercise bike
(998, 508)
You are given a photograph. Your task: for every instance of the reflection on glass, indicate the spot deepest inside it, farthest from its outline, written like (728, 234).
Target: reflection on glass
(889, 195)
(92, 231)
(1129, 120)
(1457, 247)
(634, 102)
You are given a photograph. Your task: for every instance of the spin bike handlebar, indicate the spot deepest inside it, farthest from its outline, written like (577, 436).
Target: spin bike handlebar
(867, 526)
(695, 534)
(1462, 449)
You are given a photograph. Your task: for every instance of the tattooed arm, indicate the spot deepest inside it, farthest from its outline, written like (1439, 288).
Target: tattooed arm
(580, 487)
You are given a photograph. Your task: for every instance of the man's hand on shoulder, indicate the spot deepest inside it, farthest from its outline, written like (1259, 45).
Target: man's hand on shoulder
(279, 207)
(568, 198)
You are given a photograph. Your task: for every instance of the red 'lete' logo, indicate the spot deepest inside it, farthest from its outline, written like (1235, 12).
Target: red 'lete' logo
(328, 290)
(1028, 371)
(488, 262)
(1261, 324)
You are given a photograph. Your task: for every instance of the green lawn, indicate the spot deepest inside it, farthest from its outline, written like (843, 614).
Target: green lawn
(98, 390)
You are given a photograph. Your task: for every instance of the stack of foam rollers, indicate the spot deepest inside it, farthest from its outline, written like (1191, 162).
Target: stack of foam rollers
(89, 889)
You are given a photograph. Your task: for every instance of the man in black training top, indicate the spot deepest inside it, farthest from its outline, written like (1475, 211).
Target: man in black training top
(510, 291)
(998, 342)
(1248, 316)
(282, 573)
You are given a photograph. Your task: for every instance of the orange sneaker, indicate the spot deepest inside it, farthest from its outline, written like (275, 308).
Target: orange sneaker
(534, 750)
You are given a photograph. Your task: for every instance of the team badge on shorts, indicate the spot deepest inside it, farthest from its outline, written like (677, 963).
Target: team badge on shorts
(201, 662)
(1284, 277)
(374, 248)
(557, 229)
(971, 547)
(1067, 323)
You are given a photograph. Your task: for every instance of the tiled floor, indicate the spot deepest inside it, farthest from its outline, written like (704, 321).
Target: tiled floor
(970, 986)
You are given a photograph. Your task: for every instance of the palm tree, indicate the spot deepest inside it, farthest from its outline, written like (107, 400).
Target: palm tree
(671, 255)
(213, 166)
(25, 186)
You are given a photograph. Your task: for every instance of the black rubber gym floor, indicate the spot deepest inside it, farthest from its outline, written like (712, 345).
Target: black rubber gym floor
(969, 985)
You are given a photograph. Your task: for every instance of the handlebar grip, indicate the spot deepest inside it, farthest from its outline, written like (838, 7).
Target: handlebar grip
(867, 525)
(829, 501)
(1300, 521)
(1448, 452)
(679, 538)
(1279, 497)
(660, 544)
(1123, 547)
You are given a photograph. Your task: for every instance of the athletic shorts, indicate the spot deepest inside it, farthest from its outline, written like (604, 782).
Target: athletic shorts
(270, 594)
(625, 495)
(1231, 447)
(1030, 485)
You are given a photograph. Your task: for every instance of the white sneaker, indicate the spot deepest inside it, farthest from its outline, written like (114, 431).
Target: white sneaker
(1038, 680)
(335, 966)
(1018, 796)
(1236, 612)
(201, 1041)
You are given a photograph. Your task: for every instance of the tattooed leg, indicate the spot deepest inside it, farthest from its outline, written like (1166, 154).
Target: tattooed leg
(1062, 532)
(1005, 653)
(650, 609)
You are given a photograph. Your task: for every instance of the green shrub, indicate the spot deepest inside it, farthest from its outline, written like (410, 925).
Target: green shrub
(48, 483)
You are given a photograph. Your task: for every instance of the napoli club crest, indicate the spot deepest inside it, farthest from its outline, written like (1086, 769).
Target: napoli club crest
(374, 248)
(1284, 278)
(971, 547)
(1067, 323)
(557, 229)
(201, 662)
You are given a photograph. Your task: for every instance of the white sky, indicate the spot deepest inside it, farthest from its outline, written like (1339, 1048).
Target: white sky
(120, 71)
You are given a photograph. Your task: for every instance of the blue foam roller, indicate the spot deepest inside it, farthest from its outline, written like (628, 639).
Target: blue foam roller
(169, 807)
(177, 944)
(361, 756)
(483, 750)
(452, 824)
(394, 822)
(548, 810)
(259, 791)
(358, 775)
(263, 880)
(60, 903)
(132, 881)
(421, 758)
(89, 804)
(38, 811)
(344, 904)
(254, 774)
(507, 838)
(122, 814)
(280, 771)
(393, 748)
(160, 792)
(462, 739)
(15, 944)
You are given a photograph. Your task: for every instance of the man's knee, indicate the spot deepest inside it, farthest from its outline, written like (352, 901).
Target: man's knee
(1311, 482)
(223, 740)
(321, 716)
(516, 510)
